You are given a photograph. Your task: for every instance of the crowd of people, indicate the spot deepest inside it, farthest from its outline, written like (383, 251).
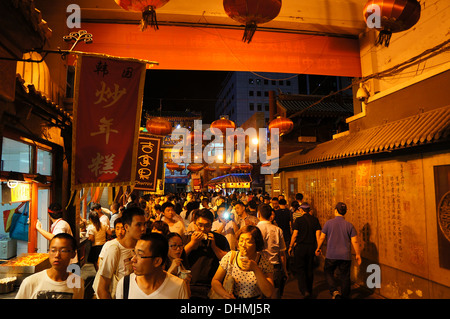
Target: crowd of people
(204, 245)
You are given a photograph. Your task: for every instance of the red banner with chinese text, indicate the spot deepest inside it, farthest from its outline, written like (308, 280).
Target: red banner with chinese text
(107, 113)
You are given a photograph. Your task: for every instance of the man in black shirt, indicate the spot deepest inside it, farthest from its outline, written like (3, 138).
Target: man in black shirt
(306, 231)
(283, 218)
(204, 250)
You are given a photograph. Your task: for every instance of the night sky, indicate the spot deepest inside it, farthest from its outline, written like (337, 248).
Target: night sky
(181, 90)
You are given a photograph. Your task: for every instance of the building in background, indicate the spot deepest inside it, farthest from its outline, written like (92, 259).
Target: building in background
(245, 93)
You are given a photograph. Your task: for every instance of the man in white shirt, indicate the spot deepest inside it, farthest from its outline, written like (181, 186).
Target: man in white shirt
(56, 282)
(117, 260)
(149, 280)
(274, 247)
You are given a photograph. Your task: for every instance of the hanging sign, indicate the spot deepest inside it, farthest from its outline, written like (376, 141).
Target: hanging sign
(148, 157)
(107, 112)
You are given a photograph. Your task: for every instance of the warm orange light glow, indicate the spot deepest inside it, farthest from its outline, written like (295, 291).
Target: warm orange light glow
(223, 50)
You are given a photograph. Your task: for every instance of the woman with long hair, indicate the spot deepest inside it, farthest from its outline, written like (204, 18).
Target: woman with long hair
(96, 232)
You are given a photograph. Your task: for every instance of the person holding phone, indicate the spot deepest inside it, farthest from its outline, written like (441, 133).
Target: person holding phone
(225, 225)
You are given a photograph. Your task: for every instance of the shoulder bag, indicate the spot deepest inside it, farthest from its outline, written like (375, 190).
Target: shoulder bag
(228, 281)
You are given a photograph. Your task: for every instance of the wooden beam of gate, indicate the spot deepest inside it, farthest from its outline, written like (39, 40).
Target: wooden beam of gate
(200, 48)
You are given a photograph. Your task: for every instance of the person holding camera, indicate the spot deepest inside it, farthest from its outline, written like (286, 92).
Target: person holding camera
(225, 225)
(204, 249)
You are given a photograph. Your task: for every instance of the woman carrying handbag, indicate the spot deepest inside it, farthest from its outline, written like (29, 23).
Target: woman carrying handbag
(249, 271)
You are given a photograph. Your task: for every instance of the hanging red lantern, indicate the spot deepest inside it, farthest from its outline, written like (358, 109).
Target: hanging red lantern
(172, 167)
(283, 124)
(158, 126)
(251, 13)
(394, 16)
(246, 167)
(222, 124)
(147, 7)
(210, 168)
(180, 168)
(225, 168)
(195, 167)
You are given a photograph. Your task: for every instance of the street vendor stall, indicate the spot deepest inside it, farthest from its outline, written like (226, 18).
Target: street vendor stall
(231, 182)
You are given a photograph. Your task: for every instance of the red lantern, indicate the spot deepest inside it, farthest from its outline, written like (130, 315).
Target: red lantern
(210, 169)
(251, 13)
(246, 167)
(224, 168)
(195, 167)
(394, 16)
(283, 124)
(158, 126)
(222, 124)
(172, 167)
(180, 168)
(147, 7)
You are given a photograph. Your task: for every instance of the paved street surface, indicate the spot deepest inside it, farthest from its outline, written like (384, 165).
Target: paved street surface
(321, 291)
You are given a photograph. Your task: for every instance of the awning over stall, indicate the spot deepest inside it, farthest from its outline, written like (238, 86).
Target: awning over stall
(234, 180)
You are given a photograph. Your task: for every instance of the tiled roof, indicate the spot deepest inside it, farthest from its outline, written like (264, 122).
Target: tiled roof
(42, 100)
(328, 107)
(424, 128)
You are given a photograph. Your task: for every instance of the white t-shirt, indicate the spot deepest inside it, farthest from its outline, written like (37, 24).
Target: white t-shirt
(104, 219)
(40, 286)
(172, 288)
(116, 263)
(99, 235)
(105, 247)
(60, 226)
(178, 226)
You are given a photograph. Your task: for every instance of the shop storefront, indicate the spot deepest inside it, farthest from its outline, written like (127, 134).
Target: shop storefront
(31, 173)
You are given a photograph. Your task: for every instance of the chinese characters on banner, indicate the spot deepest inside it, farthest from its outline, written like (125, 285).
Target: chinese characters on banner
(147, 163)
(107, 112)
